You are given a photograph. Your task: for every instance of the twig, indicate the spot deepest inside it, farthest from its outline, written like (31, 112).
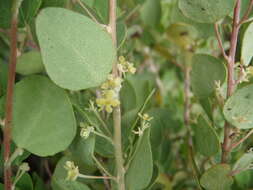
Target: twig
(231, 81)
(242, 140)
(10, 92)
(247, 13)
(95, 177)
(101, 167)
(116, 112)
(216, 28)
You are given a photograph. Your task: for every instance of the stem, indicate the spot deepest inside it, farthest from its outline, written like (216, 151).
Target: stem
(101, 167)
(231, 81)
(9, 95)
(117, 112)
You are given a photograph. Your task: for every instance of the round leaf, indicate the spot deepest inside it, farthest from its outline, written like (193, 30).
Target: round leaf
(77, 53)
(217, 178)
(247, 46)
(244, 162)
(206, 11)
(206, 70)
(30, 63)
(204, 136)
(43, 122)
(238, 109)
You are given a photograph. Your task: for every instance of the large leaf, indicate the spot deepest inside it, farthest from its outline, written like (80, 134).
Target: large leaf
(247, 46)
(238, 109)
(217, 178)
(206, 11)
(204, 136)
(139, 173)
(77, 52)
(43, 122)
(30, 63)
(206, 70)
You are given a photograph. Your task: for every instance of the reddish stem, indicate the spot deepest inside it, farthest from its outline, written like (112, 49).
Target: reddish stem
(9, 100)
(231, 81)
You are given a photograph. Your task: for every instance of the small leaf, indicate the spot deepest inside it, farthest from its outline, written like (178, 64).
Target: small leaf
(206, 11)
(247, 46)
(238, 109)
(206, 70)
(59, 181)
(43, 121)
(71, 57)
(140, 170)
(244, 163)
(217, 178)
(30, 63)
(151, 12)
(204, 136)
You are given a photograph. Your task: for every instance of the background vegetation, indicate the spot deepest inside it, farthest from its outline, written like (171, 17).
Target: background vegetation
(176, 113)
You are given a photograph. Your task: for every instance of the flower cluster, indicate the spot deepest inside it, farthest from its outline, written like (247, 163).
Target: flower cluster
(110, 94)
(125, 66)
(73, 171)
(145, 123)
(86, 130)
(245, 74)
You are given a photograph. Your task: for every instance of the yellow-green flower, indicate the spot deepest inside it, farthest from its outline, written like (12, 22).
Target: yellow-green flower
(108, 101)
(145, 117)
(73, 171)
(125, 66)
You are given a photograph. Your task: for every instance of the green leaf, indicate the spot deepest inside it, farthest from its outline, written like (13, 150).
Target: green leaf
(5, 13)
(204, 136)
(151, 12)
(159, 123)
(77, 53)
(30, 63)
(247, 46)
(54, 3)
(38, 182)
(204, 30)
(3, 77)
(121, 33)
(59, 181)
(25, 182)
(102, 8)
(238, 109)
(206, 11)
(28, 11)
(217, 178)
(244, 162)
(206, 70)
(43, 122)
(140, 170)
(83, 149)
